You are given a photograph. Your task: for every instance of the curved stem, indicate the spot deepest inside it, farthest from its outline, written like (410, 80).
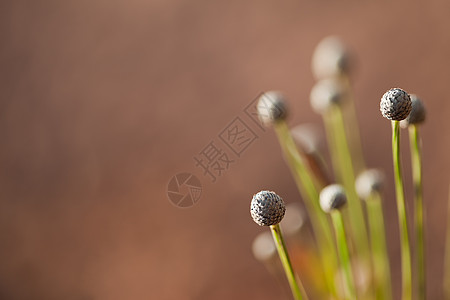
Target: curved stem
(401, 210)
(343, 168)
(310, 194)
(284, 257)
(353, 127)
(344, 255)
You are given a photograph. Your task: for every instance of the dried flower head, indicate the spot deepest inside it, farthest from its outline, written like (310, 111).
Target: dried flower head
(369, 181)
(331, 58)
(267, 208)
(271, 108)
(325, 94)
(395, 104)
(332, 197)
(417, 114)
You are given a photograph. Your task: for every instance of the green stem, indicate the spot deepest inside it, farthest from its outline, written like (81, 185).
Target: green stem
(284, 257)
(344, 255)
(343, 168)
(310, 194)
(401, 210)
(416, 163)
(353, 128)
(380, 258)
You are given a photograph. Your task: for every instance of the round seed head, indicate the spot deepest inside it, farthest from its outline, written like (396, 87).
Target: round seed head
(267, 208)
(331, 58)
(332, 197)
(271, 108)
(395, 104)
(325, 94)
(369, 181)
(417, 114)
(263, 247)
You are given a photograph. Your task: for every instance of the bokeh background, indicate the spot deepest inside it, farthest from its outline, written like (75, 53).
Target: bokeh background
(102, 102)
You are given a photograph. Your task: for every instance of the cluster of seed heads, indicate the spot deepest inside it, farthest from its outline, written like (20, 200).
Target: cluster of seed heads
(332, 197)
(395, 104)
(267, 208)
(330, 65)
(271, 108)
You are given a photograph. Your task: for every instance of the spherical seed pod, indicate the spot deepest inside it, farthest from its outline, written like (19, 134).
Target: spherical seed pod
(332, 197)
(325, 94)
(271, 108)
(369, 181)
(263, 247)
(267, 208)
(395, 104)
(331, 58)
(417, 114)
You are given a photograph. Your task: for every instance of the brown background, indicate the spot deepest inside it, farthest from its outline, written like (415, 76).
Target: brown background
(102, 102)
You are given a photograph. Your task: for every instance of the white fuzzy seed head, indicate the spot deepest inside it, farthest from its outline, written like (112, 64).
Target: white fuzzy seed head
(271, 108)
(395, 104)
(332, 197)
(331, 58)
(267, 208)
(369, 181)
(417, 114)
(325, 94)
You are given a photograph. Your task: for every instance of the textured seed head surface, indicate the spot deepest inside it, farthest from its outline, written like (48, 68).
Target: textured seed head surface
(417, 114)
(267, 208)
(369, 181)
(332, 197)
(325, 94)
(271, 108)
(395, 104)
(331, 58)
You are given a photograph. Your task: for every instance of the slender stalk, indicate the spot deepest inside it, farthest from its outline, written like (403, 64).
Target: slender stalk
(284, 257)
(380, 258)
(310, 194)
(401, 210)
(446, 282)
(344, 255)
(343, 168)
(353, 128)
(416, 163)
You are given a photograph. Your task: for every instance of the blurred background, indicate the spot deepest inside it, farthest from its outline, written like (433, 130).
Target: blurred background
(103, 102)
